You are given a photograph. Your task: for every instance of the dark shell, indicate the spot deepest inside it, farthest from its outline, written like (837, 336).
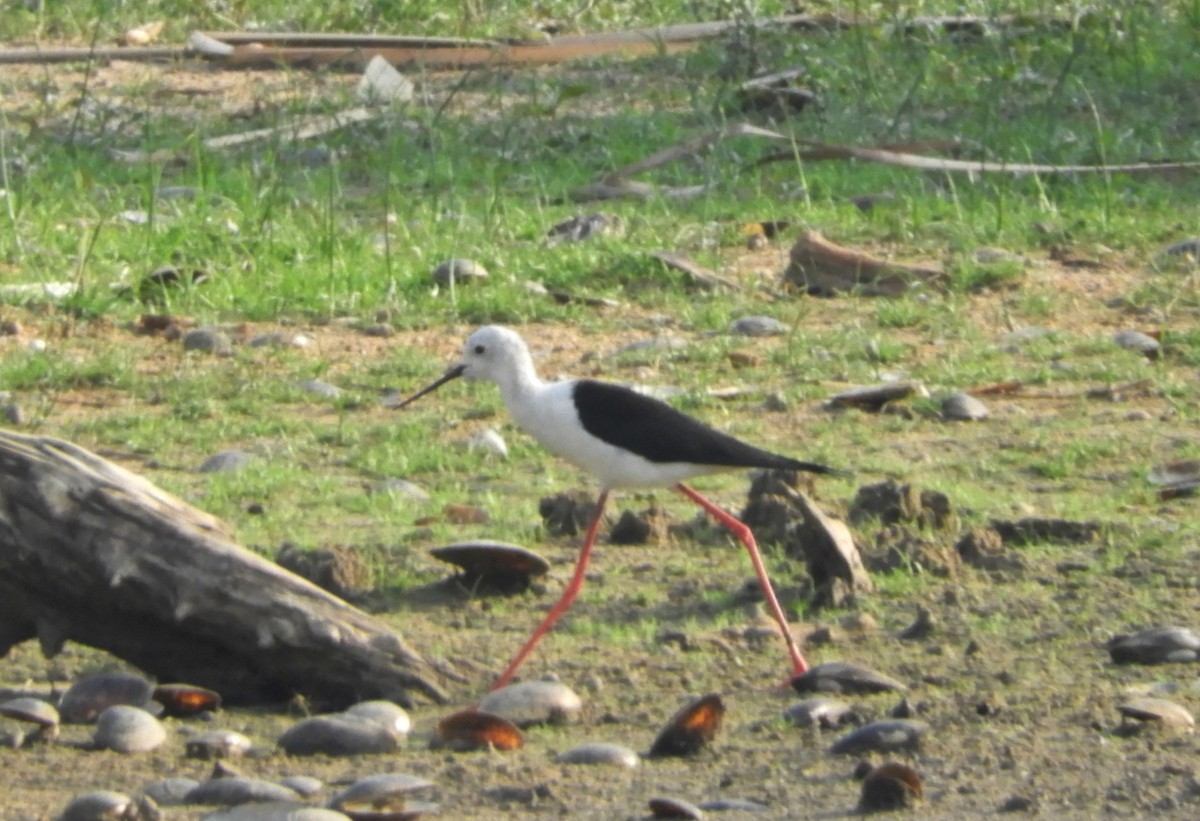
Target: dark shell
(674, 808)
(182, 700)
(843, 677)
(1155, 645)
(890, 786)
(477, 730)
(506, 568)
(89, 697)
(338, 735)
(882, 737)
(691, 729)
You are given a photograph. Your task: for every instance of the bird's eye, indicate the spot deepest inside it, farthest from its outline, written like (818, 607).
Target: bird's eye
(479, 349)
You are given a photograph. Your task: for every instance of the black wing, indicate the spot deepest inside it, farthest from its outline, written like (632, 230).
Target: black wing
(661, 434)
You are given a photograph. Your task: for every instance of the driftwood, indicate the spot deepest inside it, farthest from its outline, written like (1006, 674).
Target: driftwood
(92, 553)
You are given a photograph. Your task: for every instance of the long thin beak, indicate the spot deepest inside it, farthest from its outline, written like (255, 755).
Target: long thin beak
(453, 373)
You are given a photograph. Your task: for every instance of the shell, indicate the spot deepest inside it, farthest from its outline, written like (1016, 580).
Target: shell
(601, 752)
(843, 677)
(181, 700)
(883, 737)
(663, 807)
(170, 791)
(276, 811)
(890, 786)
(1155, 645)
(126, 729)
(106, 805)
(534, 702)
(89, 697)
(216, 744)
(238, 790)
(826, 713)
(34, 711)
(507, 568)
(477, 730)
(338, 734)
(389, 791)
(691, 729)
(1158, 710)
(391, 717)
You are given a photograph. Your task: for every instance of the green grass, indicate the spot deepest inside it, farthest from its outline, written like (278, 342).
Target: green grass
(354, 240)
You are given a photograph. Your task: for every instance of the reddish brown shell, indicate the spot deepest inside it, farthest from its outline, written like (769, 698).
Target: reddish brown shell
(182, 700)
(890, 786)
(691, 729)
(477, 730)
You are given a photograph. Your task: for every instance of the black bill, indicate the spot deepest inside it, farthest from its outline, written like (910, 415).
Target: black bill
(453, 373)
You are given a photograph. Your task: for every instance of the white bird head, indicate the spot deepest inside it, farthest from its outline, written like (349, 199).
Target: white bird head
(491, 354)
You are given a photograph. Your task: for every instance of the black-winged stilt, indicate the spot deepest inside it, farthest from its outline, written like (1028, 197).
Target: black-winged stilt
(623, 438)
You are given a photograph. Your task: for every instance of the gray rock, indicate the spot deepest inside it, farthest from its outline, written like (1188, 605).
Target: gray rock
(126, 729)
(843, 677)
(758, 326)
(461, 271)
(534, 702)
(337, 735)
(207, 340)
(962, 407)
(601, 752)
(226, 461)
(227, 792)
(1155, 645)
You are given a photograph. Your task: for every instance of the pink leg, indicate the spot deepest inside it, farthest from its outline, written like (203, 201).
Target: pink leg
(743, 534)
(568, 596)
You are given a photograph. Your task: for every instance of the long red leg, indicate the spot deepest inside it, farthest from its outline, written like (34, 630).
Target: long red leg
(743, 534)
(568, 596)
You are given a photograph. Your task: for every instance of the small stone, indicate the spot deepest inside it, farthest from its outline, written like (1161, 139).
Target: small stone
(320, 388)
(216, 744)
(843, 677)
(207, 340)
(401, 487)
(962, 407)
(1158, 710)
(1138, 342)
(490, 441)
(13, 414)
(227, 461)
(758, 326)
(382, 330)
(238, 789)
(170, 792)
(337, 735)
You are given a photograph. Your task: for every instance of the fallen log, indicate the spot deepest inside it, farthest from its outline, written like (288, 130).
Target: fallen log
(92, 553)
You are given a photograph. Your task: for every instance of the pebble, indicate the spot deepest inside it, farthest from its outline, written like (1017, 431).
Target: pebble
(207, 340)
(126, 729)
(401, 487)
(489, 440)
(601, 752)
(1138, 342)
(758, 326)
(320, 388)
(227, 461)
(882, 737)
(534, 702)
(387, 789)
(306, 785)
(962, 407)
(460, 271)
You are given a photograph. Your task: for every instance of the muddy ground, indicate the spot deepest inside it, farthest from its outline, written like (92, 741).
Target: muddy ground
(1013, 679)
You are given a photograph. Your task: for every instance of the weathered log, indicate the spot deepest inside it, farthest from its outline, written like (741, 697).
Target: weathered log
(92, 553)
